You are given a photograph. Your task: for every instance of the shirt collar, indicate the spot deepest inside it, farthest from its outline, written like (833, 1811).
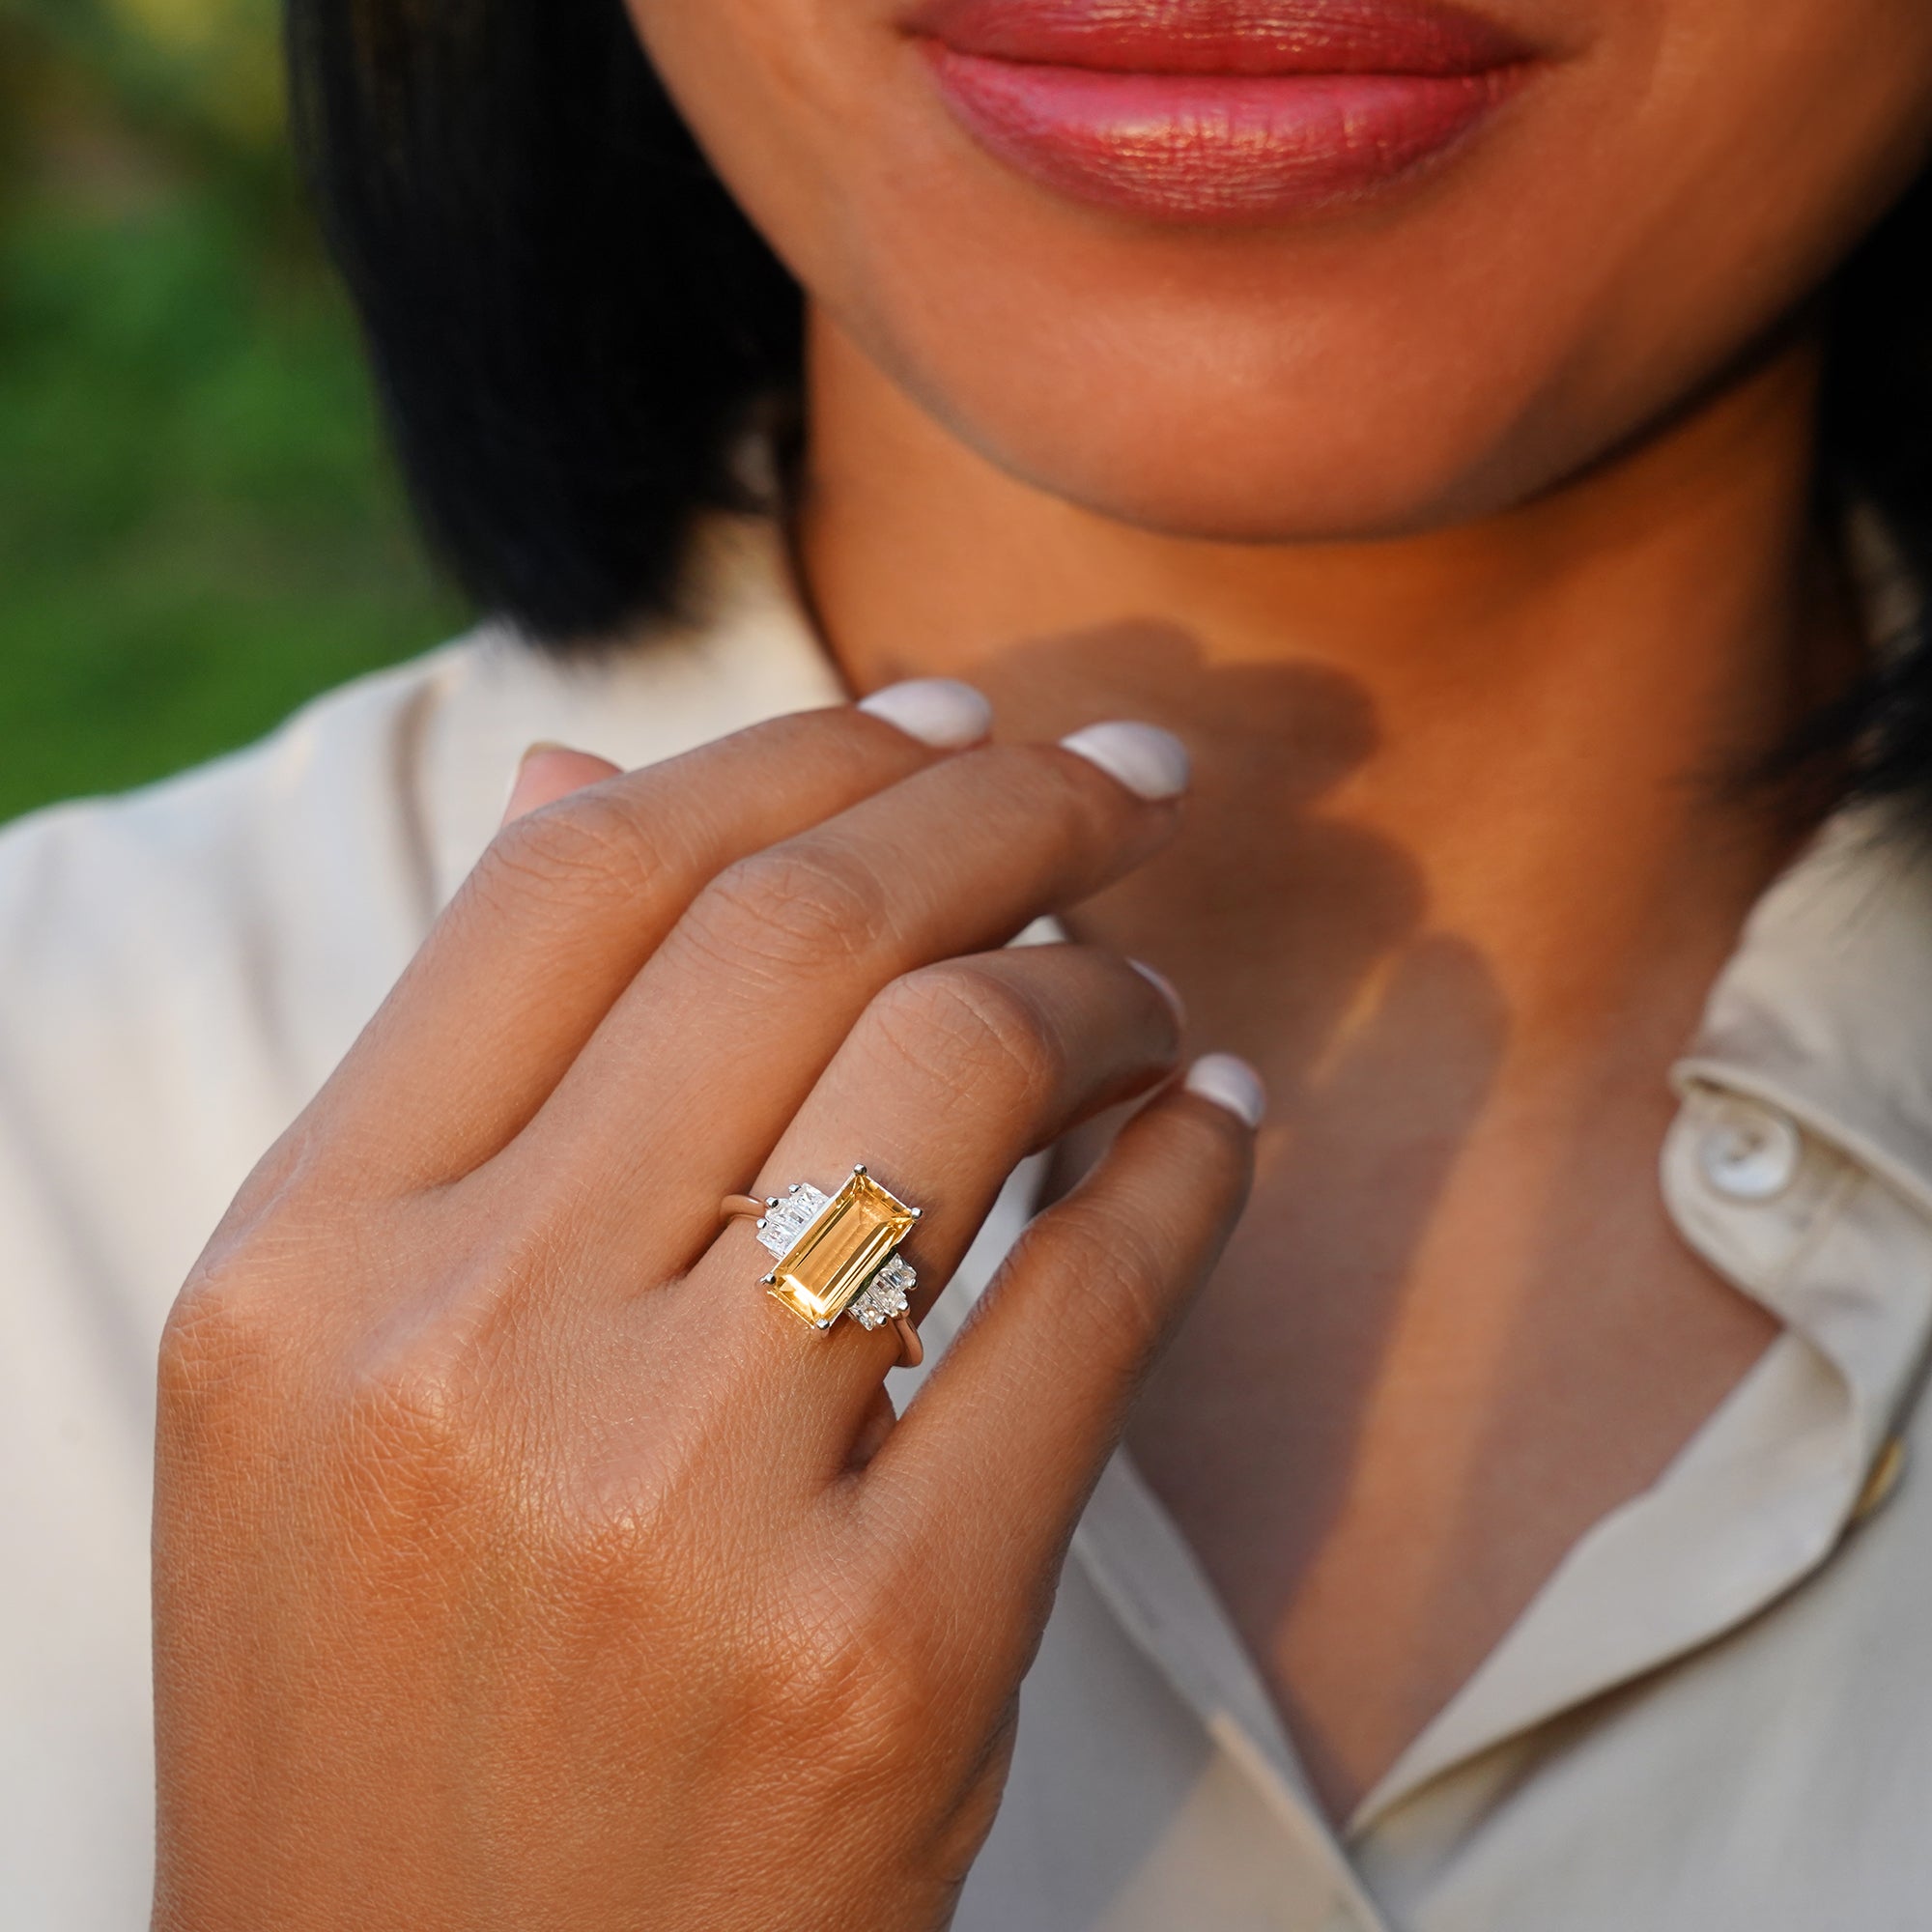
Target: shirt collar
(1815, 1037)
(1814, 1020)
(1823, 1011)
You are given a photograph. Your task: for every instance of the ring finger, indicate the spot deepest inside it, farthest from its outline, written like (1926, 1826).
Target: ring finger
(953, 1076)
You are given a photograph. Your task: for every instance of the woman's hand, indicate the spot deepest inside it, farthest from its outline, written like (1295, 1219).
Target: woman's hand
(520, 1562)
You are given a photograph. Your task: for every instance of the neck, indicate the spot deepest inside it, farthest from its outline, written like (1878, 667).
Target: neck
(1535, 715)
(1460, 865)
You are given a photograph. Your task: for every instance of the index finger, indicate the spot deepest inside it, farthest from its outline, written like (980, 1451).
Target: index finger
(570, 900)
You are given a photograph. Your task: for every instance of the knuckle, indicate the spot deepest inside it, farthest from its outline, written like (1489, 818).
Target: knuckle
(255, 1358)
(794, 906)
(221, 1336)
(426, 1381)
(971, 1030)
(586, 849)
(887, 1718)
(242, 1317)
(412, 1396)
(846, 1687)
(403, 1438)
(1117, 1283)
(810, 1684)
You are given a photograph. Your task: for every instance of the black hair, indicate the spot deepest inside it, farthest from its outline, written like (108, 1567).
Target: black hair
(570, 322)
(1876, 438)
(572, 325)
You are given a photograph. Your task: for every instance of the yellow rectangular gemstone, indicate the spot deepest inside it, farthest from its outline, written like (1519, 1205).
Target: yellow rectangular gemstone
(827, 1268)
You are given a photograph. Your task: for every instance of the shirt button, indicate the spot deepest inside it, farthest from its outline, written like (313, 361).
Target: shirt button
(1750, 1152)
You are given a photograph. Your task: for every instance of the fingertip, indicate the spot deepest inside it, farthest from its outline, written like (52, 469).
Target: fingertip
(548, 772)
(942, 712)
(1166, 988)
(1228, 1082)
(1150, 762)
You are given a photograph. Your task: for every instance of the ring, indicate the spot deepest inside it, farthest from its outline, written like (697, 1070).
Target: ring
(838, 1254)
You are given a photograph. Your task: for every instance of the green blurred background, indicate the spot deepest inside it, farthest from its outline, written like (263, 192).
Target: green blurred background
(197, 526)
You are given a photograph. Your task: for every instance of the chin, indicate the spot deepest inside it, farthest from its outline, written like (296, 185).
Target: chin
(1289, 488)
(1294, 455)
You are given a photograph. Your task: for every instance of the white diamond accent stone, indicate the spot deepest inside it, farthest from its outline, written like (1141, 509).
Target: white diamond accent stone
(786, 1219)
(885, 1296)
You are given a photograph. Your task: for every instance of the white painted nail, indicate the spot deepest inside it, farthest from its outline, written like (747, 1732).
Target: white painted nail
(1151, 763)
(1228, 1082)
(937, 711)
(1162, 985)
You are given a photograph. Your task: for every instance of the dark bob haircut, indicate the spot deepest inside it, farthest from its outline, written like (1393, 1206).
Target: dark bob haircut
(571, 326)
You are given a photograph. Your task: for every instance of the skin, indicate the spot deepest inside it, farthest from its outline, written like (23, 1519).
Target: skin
(1460, 896)
(1466, 535)
(514, 1565)
(517, 1562)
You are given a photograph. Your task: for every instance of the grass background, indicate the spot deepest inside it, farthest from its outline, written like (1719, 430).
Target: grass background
(198, 529)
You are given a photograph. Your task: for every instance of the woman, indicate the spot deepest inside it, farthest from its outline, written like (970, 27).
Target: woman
(1488, 445)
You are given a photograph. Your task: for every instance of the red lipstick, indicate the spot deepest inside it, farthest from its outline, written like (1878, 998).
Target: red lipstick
(1217, 112)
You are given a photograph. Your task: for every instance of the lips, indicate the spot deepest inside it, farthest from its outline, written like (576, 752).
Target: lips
(1217, 112)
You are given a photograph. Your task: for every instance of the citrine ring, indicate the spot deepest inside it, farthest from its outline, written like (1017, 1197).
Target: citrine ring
(839, 1253)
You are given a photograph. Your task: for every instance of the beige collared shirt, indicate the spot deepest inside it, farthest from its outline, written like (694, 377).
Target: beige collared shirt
(1717, 1714)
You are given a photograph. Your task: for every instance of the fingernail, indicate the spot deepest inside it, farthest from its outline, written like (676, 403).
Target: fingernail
(548, 772)
(530, 751)
(1162, 985)
(937, 711)
(1151, 763)
(1230, 1083)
